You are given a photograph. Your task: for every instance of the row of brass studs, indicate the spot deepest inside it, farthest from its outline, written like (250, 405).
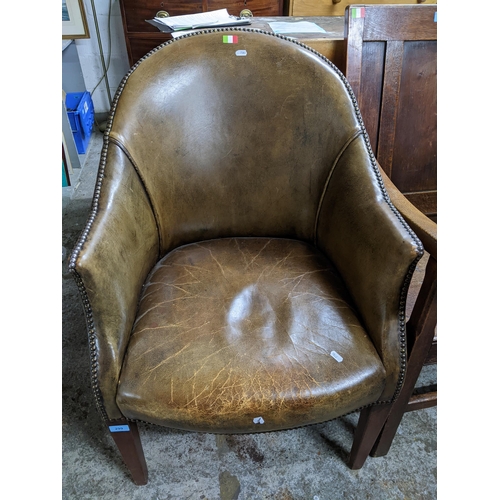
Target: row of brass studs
(92, 346)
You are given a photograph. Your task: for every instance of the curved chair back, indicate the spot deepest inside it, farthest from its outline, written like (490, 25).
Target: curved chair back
(259, 124)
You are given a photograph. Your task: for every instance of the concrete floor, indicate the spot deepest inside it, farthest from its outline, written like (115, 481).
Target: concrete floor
(306, 463)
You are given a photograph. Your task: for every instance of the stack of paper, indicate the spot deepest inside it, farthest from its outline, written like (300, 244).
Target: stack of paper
(296, 27)
(216, 18)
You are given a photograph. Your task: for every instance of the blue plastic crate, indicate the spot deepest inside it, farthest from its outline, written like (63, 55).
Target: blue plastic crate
(80, 111)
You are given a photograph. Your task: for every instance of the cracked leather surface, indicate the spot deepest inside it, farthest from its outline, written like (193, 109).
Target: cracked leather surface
(114, 262)
(231, 330)
(372, 251)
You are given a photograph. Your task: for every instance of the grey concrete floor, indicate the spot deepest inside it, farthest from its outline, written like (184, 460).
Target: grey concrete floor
(307, 463)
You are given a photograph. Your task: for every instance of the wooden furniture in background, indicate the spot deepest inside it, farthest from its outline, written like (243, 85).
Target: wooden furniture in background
(336, 7)
(391, 66)
(330, 44)
(141, 37)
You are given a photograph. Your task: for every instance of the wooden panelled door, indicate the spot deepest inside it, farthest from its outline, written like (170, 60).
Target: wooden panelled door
(391, 64)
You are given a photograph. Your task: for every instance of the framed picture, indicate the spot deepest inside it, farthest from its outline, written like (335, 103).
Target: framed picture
(74, 21)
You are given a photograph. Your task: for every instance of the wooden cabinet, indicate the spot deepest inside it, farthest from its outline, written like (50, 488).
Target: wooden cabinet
(141, 37)
(337, 7)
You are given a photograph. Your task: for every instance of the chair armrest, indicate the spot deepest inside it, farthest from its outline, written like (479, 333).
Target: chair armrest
(421, 325)
(424, 228)
(110, 262)
(374, 250)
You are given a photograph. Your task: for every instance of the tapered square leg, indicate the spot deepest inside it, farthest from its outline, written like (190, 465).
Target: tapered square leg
(126, 436)
(371, 421)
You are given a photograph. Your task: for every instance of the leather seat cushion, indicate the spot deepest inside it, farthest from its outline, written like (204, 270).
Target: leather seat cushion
(245, 335)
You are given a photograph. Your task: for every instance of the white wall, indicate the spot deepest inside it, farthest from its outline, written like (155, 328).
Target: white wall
(89, 55)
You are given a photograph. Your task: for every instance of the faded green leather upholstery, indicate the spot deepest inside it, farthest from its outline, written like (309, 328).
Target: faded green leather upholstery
(242, 269)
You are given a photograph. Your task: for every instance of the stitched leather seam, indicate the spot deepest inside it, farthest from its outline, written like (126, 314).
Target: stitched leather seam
(79, 282)
(327, 183)
(126, 152)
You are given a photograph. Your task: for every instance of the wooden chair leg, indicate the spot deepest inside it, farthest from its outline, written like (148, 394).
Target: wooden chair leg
(126, 436)
(371, 421)
(420, 328)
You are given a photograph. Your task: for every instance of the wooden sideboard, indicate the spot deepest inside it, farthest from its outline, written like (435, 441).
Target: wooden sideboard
(141, 37)
(337, 7)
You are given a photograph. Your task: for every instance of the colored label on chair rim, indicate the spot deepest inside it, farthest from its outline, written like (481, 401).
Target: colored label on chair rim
(229, 39)
(358, 12)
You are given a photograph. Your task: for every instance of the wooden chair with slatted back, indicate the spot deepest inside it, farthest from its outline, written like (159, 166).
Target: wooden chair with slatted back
(391, 67)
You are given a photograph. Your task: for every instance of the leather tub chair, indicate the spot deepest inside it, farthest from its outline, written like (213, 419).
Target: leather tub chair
(243, 268)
